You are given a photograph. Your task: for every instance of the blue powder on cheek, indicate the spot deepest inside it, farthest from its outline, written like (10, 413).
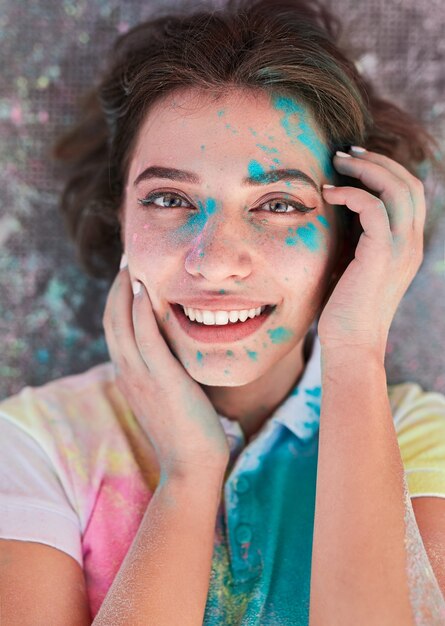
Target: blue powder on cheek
(199, 356)
(280, 334)
(303, 132)
(308, 235)
(255, 169)
(323, 220)
(252, 354)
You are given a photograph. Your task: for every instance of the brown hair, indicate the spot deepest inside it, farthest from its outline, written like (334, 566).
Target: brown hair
(285, 47)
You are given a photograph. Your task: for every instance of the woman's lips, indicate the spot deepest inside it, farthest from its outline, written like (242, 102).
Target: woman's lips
(220, 334)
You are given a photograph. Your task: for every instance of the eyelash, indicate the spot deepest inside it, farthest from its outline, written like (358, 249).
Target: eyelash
(148, 200)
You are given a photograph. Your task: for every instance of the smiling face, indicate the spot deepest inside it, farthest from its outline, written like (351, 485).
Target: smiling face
(234, 230)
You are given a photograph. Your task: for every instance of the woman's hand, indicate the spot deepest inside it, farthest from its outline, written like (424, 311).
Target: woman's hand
(389, 253)
(171, 407)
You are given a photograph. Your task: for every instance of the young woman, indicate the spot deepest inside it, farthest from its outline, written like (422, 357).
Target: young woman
(240, 459)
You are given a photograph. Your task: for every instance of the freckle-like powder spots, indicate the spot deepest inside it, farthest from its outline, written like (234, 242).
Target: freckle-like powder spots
(252, 354)
(229, 353)
(266, 148)
(280, 334)
(221, 113)
(199, 356)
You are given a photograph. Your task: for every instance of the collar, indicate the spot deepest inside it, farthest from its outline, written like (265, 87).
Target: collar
(300, 411)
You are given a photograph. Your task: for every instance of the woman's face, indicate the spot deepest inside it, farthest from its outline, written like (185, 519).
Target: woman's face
(225, 237)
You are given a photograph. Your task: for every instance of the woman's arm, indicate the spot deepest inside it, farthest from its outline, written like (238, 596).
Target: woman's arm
(361, 570)
(165, 575)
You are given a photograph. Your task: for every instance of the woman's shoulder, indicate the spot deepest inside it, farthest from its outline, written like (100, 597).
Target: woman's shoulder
(79, 409)
(79, 387)
(419, 421)
(410, 402)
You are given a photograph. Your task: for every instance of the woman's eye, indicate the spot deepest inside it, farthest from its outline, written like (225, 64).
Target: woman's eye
(281, 206)
(168, 200)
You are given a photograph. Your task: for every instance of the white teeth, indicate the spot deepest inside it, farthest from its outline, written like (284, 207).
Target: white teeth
(221, 318)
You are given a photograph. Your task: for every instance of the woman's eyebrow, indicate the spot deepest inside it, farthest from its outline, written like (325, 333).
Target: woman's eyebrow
(262, 178)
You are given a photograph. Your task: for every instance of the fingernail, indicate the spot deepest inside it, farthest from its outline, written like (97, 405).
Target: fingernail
(124, 261)
(136, 285)
(328, 186)
(343, 154)
(357, 149)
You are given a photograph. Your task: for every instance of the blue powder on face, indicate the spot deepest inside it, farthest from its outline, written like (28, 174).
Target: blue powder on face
(301, 131)
(308, 235)
(266, 148)
(229, 353)
(199, 356)
(255, 169)
(280, 334)
(197, 220)
(252, 354)
(323, 220)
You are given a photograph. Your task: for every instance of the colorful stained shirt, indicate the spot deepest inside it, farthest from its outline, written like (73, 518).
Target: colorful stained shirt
(77, 473)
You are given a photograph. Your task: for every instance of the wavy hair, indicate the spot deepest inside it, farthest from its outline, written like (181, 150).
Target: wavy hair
(287, 47)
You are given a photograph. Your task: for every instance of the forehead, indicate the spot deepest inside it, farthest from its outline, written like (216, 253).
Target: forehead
(196, 128)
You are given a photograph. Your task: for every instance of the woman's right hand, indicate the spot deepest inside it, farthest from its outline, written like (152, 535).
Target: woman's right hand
(173, 410)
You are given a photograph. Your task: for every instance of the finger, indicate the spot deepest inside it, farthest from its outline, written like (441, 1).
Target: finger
(150, 342)
(415, 185)
(372, 211)
(118, 326)
(393, 191)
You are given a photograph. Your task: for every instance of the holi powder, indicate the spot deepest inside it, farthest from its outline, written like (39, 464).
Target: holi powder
(256, 170)
(308, 235)
(298, 129)
(323, 221)
(280, 334)
(252, 354)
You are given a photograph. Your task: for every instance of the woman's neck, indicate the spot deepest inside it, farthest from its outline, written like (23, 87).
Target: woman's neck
(252, 404)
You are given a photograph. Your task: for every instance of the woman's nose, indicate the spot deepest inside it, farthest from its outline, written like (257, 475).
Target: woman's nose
(220, 251)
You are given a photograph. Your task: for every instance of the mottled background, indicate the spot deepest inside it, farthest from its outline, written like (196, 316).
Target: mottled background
(50, 51)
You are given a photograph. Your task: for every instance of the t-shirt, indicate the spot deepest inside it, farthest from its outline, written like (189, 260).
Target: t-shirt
(77, 472)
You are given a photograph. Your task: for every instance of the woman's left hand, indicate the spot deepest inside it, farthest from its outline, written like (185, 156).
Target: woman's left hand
(361, 308)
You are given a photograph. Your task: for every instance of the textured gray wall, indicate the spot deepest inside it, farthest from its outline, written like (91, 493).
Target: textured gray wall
(50, 312)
